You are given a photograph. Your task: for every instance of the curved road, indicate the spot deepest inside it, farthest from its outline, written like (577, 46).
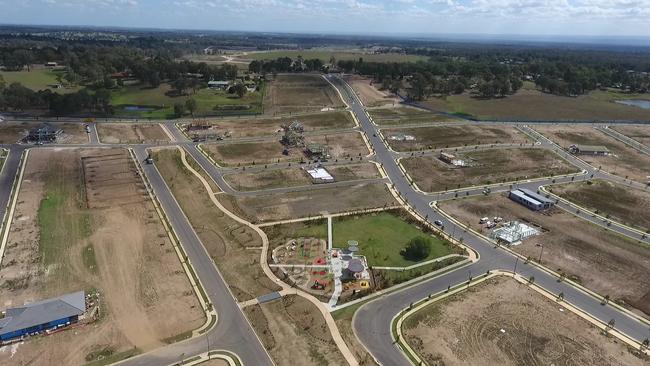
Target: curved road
(372, 322)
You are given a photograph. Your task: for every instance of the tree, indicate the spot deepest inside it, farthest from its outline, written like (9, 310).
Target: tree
(190, 105)
(2, 83)
(417, 248)
(239, 89)
(180, 85)
(179, 109)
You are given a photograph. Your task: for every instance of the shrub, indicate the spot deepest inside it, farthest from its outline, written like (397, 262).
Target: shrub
(417, 248)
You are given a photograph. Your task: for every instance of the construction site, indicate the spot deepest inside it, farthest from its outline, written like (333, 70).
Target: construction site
(110, 243)
(502, 321)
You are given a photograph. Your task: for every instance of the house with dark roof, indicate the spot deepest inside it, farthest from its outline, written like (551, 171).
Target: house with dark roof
(42, 315)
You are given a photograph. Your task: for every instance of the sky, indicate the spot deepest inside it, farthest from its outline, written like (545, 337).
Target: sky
(561, 18)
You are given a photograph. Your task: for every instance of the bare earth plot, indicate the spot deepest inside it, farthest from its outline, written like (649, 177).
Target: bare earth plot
(488, 167)
(406, 115)
(283, 206)
(341, 146)
(122, 133)
(110, 239)
(228, 242)
(300, 93)
(607, 263)
(249, 127)
(294, 332)
(291, 177)
(617, 202)
(248, 153)
(370, 95)
(503, 322)
(12, 132)
(453, 136)
(623, 161)
(638, 133)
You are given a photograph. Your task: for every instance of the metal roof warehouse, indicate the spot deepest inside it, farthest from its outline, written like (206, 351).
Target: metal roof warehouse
(42, 315)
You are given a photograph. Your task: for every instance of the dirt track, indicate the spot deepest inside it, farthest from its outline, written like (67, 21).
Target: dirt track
(503, 322)
(110, 239)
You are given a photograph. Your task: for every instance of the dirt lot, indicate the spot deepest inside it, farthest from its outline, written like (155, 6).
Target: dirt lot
(600, 260)
(12, 132)
(291, 177)
(109, 239)
(248, 153)
(300, 93)
(294, 332)
(489, 167)
(283, 206)
(341, 145)
(229, 243)
(503, 322)
(368, 93)
(121, 133)
(452, 136)
(406, 115)
(623, 161)
(622, 204)
(639, 133)
(249, 127)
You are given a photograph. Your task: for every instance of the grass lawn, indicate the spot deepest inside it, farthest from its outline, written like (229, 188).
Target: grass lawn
(382, 236)
(36, 79)
(404, 115)
(160, 105)
(326, 55)
(57, 230)
(532, 104)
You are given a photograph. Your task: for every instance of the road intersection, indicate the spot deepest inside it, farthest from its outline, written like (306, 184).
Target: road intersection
(372, 322)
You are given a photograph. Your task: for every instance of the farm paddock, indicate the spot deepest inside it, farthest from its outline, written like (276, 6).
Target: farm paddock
(300, 93)
(110, 240)
(502, 321)
(485, 167)
(607, 263)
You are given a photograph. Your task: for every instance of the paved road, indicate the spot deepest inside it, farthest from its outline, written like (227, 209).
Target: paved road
(373, 320)
(232, 332)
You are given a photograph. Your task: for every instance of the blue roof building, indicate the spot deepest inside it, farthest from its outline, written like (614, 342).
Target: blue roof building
(42, 315)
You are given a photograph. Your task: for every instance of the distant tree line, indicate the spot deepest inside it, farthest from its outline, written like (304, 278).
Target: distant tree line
(285, 64)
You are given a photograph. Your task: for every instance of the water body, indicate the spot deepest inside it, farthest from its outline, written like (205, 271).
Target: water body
(137, 108)
(645, 104)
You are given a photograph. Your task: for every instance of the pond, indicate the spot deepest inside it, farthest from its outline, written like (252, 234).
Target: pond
(137, 108)
(645, 104)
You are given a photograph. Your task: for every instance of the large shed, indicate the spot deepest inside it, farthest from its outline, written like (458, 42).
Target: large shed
(42, 315)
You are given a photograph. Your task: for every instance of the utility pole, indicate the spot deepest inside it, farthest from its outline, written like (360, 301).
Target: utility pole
(515, 270)
(540, 253)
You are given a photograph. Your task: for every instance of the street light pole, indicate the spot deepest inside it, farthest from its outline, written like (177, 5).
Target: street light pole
(540, 253)
(515, 270)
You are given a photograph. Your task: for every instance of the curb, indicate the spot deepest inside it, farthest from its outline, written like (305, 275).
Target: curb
(575, 285)
(13, 199)
(199, 290)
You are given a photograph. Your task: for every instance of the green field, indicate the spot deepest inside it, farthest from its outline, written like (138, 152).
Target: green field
(37, 79)
(531, 104)
(161, 105)
(381, 237)
(325, 56)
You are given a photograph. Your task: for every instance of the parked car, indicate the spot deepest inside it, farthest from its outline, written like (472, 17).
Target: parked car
(438, 222)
